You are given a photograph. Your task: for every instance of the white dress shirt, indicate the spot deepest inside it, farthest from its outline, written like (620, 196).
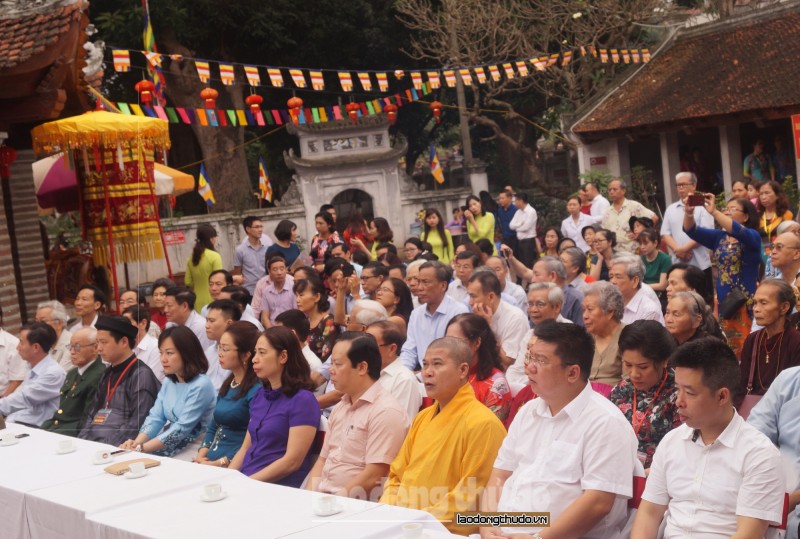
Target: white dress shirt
(599, 206)
(403, 386)
(12, 367)
(516, 292)
(571, 229)
(524, 223)
(147, 351)
(509, 325)
(197, 324)
(516, 371)
(673, 226)
(588, 445)
(315, 364)
(80, 325)
(458, 291)
(60, 351)
(642, 307)
(707, 486)
(36, 400)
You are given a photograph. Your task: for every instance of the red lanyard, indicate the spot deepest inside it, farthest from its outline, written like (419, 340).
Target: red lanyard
(110, 391)
(637, 426)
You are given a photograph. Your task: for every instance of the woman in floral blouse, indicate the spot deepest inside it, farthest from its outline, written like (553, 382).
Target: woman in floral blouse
(312, 300)
(485, 374)
(647, 393)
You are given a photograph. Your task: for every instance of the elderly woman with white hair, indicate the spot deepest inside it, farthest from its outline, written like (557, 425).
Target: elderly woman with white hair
(54, 314)
(686, 317)
(626, 272)
(412, 279)
(602, 316)
(364, 313)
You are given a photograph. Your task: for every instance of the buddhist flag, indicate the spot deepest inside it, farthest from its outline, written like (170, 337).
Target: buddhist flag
(466, 76)
(202, 71)
(450, 78)
(226, 74)
(298, 78)
(416, 79)
(539, 63)
(583, 51)
(481, 74)
(433, 79)
(566, 58)
(509, 71)
(522, 68)
(365, 81)
(204, 188)
(495, 73)
(553, 60)
(645, 55)
(263, 181)
(317, 82)
(635, 56)
(383, 81)
(615, 56)
(253, 79)
(399, 73)
(436, 168)
(346, 81)
(154, 58)
(275, 77)
(122, 60)
(604, 56)
(625, 56)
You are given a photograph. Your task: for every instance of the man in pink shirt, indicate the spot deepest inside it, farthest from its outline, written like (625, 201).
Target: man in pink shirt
(366, 428)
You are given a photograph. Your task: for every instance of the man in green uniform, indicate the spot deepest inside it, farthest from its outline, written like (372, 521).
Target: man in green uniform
(77, 393)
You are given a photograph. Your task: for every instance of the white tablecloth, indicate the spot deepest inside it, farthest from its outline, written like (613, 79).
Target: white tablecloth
(61, 511)
(33, 464)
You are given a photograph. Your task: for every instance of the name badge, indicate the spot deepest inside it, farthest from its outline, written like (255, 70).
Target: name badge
(101, 416)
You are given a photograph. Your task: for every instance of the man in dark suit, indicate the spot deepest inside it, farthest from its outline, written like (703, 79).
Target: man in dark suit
(77, 393)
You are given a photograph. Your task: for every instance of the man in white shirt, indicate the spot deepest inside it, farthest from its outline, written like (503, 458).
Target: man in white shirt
(12, 368)
(395, 377)
(617, 217)
(550, 269)
(572, 226)
(218, 280)
(718, 476)
(500, 268)
(508, 323)
(37, 399)
(464, 264)
(682, 248)
(221, 314)
(179, 309)
(524, 224)
(146, 348)
(626, 272)
(599, 203)
(89, 302)
(569, 452)
(54, 314)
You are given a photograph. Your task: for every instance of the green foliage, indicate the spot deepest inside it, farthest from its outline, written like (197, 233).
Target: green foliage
(790, 188)
(600, 176)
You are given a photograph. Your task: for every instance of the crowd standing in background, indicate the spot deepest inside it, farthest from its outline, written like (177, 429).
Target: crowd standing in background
(494, 362)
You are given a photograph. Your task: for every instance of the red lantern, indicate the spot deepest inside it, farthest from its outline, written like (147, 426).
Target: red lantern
(436, 108)
(7, 156)
(210, 95)
(352, 110)
(254, 101)
(294, 104)
(391, 112)
(145, 89)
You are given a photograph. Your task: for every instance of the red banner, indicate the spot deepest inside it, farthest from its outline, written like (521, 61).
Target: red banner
(796, 133)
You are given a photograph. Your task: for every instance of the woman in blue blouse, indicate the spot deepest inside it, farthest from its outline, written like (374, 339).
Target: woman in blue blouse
(186, 400)
(284, 414)
(232, 413)
(737, 249)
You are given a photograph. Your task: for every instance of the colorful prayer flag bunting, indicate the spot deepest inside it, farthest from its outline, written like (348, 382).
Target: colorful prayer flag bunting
(317, 82)
(615, 56)
(436, 168)
(365, 81)
(481, 75)
(466, 76)
(298, 78)
(154, 58)
(122, 60)
(495, 73)
(204, 187)
(522, 68)
(202, 70)
(450, 78)
(226, 74)
(539, 63)
(625, 56)
(645, 55)
(433, 79)
(383, 81)
(566, 58)
(635, 56)
(416, 79)
(509, 71)
(275, 77)
(253, 78)
(399, 73)
(552, 60)
(604, 56)
(346, 81)
(264, 185)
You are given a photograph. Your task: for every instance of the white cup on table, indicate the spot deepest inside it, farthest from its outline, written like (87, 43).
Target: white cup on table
(102, 457)
(212, 491)
(412, 530)
(136, 468)
(65, 446)
(325, 504)
(7, 438)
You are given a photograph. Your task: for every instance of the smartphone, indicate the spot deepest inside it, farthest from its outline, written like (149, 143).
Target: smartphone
(697, 199)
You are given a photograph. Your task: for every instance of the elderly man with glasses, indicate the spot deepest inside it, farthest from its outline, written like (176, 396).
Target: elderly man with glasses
(785, 256)
(54, 314)
(80, 386)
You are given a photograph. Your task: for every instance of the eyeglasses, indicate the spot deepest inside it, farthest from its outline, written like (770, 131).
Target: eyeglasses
(226, 349)
(778, 247)
(537, 304)
(733, 208)
(365, 277)
(601, 240)
(78, 347)
(539, 362)
(385, 290)
(464, 267)
(683, 184)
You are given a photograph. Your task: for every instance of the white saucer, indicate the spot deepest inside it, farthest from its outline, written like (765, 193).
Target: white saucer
(68, 451)
(9, 442)
(99, 462)
(129, 475)
(222, 496)
(338, 508)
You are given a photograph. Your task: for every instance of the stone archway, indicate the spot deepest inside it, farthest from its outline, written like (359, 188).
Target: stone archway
(349, 201)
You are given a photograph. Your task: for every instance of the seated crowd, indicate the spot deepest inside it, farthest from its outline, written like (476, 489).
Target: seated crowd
(481, 368)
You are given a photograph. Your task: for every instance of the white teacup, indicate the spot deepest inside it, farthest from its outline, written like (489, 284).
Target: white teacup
(326, 503)
(65, 446)
(212, 491)
(7, 438)
(412, 530)
(136, 468)
(101, 457)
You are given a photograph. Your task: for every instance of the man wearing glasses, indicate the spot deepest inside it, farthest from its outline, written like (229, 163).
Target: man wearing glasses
(54, 314)
(785, 256)
(372, 276)
(557, 456)
(681, 247)
(80, 386)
